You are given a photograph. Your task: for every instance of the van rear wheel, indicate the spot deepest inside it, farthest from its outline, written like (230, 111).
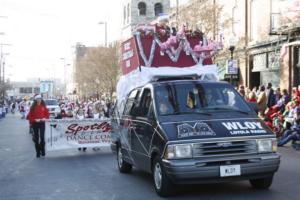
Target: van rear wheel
(124, 167)
(262, 183)
(162, 184)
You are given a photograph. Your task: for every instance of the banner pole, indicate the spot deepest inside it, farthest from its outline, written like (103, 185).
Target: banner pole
(51, 134)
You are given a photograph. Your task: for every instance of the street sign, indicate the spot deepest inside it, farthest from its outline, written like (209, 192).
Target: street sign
(232, 67)
(231, 76)
(46, 87)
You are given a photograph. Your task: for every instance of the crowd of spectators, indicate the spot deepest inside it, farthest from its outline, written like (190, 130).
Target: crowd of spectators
(279, 110)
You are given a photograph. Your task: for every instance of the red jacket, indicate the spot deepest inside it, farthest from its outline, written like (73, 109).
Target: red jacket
(253, 100)
(39, 112)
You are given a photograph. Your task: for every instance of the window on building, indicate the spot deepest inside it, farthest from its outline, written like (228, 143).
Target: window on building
(254, 20)
(142, 8)
(25, 90)
(158, 9)
(124, 15)
(235, 21)
(128, 12)
(275, 15)
(36, 90)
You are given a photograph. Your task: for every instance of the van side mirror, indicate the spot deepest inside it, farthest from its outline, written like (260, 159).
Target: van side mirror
(253, 106)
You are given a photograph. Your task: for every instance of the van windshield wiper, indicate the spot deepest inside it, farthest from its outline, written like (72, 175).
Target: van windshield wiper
(183, 113)
(196, 112)
(228, 109)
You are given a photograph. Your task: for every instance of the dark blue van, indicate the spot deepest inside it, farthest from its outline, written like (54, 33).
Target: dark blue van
(192, 131)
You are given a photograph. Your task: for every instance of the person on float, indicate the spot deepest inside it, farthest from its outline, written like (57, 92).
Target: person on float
(37, 116)
(162, 27)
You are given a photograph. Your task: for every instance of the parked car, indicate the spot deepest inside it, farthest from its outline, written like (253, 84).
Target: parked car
(53, 107)
(192, 131)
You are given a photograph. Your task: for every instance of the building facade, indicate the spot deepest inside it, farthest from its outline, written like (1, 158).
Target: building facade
(269, 32)
(265, 37)
(24, 89)
(137, 12)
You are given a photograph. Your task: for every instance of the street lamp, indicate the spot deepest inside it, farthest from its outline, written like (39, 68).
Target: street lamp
(105, 27)
(232, 44)
(65, 77)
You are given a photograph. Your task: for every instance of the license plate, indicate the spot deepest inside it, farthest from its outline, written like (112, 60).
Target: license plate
(230, 170)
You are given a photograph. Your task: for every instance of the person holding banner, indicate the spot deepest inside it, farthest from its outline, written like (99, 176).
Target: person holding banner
(37, 115)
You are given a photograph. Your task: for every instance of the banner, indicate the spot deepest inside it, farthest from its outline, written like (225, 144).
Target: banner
(74, 133)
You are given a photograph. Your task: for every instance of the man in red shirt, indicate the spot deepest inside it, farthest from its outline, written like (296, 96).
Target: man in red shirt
(37, 115)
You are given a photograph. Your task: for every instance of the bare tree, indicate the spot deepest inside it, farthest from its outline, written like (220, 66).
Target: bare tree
(98, 70)
(204, 15)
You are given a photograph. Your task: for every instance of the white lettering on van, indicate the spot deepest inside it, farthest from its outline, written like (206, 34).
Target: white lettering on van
(239, 128)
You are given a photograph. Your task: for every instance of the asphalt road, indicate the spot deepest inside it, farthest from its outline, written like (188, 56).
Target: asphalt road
(72, 175)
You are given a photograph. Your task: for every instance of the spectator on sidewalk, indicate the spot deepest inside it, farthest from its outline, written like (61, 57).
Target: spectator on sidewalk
(252, 97)
(262, 101)
(270, 96)
(242, 91)
(37, 115)
(294, 133)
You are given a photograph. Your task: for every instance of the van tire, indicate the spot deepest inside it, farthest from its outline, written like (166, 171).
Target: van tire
(262, 183)
(162, 184)
(123, 166)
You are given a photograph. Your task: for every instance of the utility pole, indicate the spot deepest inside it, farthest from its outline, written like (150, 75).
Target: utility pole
(177, 13)
(105, 27)
(2, 64)
(2, 68)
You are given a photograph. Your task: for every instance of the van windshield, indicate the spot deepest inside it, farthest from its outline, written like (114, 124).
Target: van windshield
(193, 98)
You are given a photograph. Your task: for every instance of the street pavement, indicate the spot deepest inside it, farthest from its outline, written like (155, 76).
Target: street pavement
(74, 175)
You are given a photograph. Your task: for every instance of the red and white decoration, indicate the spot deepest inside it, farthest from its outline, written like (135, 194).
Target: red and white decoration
(152, 47)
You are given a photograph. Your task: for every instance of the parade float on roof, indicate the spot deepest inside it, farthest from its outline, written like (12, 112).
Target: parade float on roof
(157, 49)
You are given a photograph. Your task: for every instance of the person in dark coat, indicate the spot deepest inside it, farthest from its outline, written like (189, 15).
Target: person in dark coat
(271, 101)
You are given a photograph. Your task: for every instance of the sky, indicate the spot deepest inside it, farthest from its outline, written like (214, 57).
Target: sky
(39, 33)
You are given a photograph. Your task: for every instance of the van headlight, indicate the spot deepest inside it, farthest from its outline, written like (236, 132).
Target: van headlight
(266, 145)
(178, 151)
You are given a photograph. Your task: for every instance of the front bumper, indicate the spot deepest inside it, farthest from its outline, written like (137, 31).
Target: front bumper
(190, 171)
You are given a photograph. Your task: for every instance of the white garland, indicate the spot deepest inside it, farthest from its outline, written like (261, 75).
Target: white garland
(174, 55)
(191, 52)
(148, 62)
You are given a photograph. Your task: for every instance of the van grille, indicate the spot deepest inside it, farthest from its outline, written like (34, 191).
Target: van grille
(225, 148)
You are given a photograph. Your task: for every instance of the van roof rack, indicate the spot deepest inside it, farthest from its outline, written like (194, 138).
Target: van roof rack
(175, 77)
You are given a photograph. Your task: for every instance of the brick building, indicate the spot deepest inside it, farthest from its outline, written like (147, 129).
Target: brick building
(260, 30)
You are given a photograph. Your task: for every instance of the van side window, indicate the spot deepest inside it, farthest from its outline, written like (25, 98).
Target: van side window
(151, 111)
(131, 102)
(128, 107)
(145, 103)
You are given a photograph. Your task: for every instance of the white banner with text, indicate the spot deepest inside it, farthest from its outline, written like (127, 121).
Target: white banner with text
(74, 133)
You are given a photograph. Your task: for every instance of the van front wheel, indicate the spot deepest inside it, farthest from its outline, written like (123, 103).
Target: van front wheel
(262, 183)
(123, 166)
(162, 184)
